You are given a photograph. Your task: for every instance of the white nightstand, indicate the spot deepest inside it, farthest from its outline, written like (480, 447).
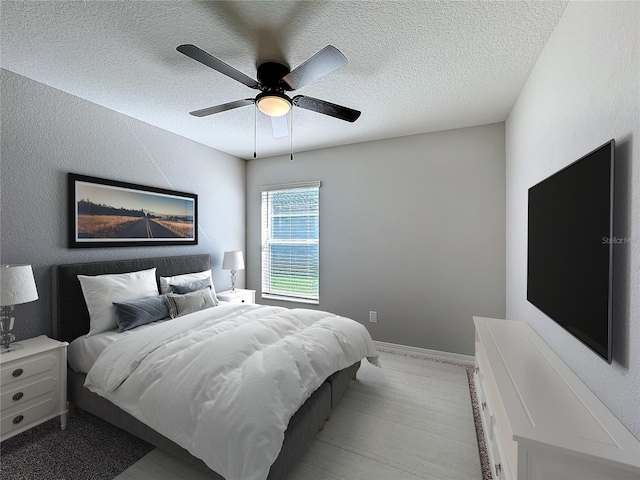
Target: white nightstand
(34, 385)
(239, 296)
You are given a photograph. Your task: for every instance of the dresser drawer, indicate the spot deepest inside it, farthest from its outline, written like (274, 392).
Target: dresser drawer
(501, 466)
(488, 414)
(34, 413)
(497, 466)
(20, 395)
(16, 371)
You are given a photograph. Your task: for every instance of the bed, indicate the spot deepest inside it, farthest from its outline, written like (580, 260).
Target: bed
(71, 321)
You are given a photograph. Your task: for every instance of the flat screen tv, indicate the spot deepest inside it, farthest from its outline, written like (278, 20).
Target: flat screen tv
(570, 248)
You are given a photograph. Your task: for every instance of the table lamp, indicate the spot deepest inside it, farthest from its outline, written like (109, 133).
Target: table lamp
(233, 261)
(17, 286)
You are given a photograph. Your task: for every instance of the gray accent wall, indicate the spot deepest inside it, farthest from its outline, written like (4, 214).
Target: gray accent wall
(583, 91)
(47, 133)
(412, 228)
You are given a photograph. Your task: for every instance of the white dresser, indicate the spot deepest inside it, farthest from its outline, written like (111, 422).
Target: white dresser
(539, 419)
(33, 385)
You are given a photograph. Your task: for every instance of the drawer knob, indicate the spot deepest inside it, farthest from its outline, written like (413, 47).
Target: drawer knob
(18, 396)
(17, 372)
(243, 300)
(484, 405)
(498, 468)
(18, 419)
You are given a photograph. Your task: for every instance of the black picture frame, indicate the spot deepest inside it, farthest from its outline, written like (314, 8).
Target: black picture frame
(109, 213)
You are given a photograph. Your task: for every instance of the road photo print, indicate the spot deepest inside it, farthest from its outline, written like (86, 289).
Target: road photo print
(108, 213)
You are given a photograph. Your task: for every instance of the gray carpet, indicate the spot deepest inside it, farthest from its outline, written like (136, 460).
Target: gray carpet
(89, 449)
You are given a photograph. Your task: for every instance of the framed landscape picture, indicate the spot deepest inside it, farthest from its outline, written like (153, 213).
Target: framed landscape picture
(108, 213)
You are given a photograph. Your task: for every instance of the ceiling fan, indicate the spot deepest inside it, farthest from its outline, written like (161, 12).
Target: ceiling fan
(273, 80)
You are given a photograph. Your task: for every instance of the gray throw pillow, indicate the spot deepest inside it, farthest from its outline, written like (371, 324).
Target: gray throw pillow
(189, 302)
(195, 286)
(134, 313)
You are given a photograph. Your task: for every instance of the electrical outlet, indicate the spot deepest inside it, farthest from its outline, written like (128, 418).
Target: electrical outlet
(373, 317)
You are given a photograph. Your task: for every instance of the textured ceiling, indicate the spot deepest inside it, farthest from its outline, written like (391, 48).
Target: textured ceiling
(414, 67)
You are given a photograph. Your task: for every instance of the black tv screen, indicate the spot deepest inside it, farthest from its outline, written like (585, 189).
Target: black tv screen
(570, 248)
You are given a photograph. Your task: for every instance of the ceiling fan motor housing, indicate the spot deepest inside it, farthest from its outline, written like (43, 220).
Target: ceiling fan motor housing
(270, 76)
(272, 101)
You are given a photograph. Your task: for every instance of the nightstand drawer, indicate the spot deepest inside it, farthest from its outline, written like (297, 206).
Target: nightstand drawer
(243, 299)
(28, 391)
(29, 415)
(28, 367)
(239, 296)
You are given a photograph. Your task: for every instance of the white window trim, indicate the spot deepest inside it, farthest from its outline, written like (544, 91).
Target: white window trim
(285, 298)
(288, 186)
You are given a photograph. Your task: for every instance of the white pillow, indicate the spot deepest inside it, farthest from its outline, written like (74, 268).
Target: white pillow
(182, 279)
(101, 291)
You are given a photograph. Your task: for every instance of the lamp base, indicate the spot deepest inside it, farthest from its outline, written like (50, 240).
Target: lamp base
(6, 327)
(12, 347)
(233, 281)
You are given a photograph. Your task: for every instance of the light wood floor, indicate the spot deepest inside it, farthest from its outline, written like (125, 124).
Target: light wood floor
(412, 419)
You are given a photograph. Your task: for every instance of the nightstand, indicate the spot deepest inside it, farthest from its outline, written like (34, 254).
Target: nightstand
(239, 296)
(34, 385)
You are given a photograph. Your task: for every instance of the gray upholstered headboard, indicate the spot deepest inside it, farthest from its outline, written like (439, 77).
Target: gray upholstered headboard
(70, 314)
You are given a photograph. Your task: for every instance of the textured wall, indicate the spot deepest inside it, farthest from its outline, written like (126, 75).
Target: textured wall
(47, 133)
(411, 227)
(583, 92)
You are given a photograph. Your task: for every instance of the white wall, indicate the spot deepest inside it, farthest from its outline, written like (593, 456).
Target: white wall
(411, 227)
(582, 92)
(47, 133)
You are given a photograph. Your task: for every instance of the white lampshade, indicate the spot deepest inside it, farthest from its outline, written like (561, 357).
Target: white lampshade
(233, 261)
(17, 285)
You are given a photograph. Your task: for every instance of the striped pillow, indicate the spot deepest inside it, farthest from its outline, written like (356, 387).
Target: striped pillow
(140, 312)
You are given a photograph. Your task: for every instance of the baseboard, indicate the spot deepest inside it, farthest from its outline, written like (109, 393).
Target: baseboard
(426, 353)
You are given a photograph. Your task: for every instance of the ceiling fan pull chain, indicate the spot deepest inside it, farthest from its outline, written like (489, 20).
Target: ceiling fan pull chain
(255, 129)
(291, 135)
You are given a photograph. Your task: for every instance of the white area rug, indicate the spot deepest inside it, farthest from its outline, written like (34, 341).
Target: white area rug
(412, 419)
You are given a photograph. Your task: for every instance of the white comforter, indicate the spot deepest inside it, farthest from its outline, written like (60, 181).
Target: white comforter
(224, 382)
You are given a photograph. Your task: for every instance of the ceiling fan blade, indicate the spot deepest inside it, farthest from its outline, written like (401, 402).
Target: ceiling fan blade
(322, 63)
(218, 65)
(222, 108)
(326, 108)
(280, 126)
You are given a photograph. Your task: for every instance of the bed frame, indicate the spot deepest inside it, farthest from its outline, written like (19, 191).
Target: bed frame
(71, 320)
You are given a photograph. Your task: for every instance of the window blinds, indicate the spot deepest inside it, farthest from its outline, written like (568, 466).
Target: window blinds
(290, 241)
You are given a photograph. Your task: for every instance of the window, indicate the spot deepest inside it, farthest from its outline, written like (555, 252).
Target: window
(290, 242)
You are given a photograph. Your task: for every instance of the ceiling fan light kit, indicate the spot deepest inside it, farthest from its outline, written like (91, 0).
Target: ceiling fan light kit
(274, 104)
